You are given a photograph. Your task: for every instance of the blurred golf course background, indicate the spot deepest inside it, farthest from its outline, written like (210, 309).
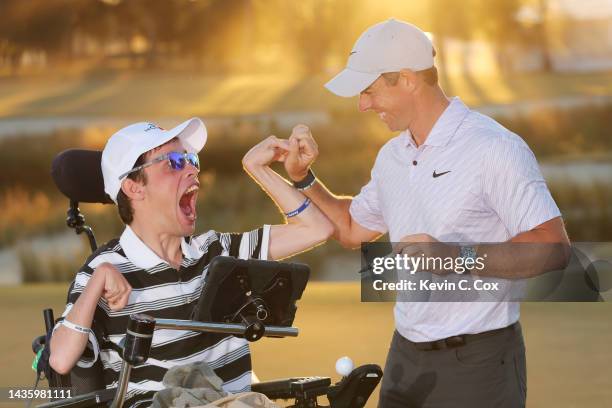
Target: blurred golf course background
(568, 344)
(73, 72)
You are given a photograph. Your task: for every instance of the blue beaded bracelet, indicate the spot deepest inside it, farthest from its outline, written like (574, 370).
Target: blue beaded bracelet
(298, 210)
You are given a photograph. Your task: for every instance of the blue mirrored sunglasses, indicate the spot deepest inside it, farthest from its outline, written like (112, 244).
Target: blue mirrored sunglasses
(176, 160)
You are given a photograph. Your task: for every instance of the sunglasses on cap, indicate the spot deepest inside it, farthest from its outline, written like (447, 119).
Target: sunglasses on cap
(176, 160)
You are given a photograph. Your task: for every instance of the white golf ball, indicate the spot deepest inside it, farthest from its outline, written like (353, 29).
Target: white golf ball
(344, 366)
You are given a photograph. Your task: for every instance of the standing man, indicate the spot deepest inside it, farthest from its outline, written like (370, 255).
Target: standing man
(451, 175)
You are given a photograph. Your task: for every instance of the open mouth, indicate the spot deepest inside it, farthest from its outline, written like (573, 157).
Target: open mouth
(187, 203)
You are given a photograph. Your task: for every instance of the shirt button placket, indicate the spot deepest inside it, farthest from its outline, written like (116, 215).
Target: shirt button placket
(414, 165)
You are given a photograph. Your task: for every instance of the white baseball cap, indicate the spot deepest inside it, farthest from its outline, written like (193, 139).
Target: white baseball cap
(385, 47)
(124, 147)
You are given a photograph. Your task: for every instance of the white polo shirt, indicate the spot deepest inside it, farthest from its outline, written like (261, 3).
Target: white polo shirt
(488, 188)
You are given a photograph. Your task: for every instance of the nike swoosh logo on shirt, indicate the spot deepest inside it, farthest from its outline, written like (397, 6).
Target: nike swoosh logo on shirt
(440, 174)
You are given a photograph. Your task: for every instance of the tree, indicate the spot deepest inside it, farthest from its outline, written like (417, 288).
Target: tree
(318, 29)
(500, 25)
(450, 19)
(36, 25)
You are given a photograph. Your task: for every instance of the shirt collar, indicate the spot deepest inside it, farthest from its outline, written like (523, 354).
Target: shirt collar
(189, 250)
(407, 140)
(140, 254)
(445, 127)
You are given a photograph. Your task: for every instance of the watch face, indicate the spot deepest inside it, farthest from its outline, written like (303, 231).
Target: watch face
(467, 252)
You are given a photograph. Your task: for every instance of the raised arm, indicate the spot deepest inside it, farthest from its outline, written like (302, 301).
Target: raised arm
(67, 344)
(302, 153)
(306, 226)
(346, 231)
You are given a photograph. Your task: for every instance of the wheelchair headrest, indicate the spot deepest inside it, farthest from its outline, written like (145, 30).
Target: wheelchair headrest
(77, 173)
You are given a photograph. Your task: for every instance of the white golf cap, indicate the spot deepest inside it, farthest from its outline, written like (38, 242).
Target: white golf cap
(385, 47)
(124, 147)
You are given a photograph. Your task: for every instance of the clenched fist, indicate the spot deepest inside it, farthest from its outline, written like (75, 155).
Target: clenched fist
(303, 151)
(269, 150)
(116, 288)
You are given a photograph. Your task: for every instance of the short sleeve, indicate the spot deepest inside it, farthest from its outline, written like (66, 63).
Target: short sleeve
(247, 245)
(365, 208)
(92, 349)
(514, 187)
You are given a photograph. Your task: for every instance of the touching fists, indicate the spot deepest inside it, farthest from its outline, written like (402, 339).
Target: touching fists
(303, 151)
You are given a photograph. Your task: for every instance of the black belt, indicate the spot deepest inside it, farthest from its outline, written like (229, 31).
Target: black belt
(460, 340)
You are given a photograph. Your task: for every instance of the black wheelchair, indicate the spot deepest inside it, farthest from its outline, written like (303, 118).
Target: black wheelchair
(245, 298)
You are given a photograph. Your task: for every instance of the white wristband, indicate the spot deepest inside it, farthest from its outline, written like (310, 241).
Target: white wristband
(75, 327)
(95, 347)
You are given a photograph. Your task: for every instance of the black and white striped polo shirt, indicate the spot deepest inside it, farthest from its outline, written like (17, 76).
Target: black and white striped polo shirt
(163, 292)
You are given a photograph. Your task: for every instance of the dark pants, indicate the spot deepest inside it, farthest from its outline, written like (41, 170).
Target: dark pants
(489, 372)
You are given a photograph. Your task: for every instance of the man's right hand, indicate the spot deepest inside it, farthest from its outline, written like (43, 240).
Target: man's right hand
(67, 345)
(116, 288)
(303, 151)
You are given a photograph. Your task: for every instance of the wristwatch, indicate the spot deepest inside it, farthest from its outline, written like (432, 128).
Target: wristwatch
(467, 252)
(306, 182)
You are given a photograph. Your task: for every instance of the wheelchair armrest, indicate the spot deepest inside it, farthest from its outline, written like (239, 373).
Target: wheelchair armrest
(101, 398)
(287, 388)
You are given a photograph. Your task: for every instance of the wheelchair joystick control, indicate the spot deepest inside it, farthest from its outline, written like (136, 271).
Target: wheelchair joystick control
(344, 366)
(139, 335)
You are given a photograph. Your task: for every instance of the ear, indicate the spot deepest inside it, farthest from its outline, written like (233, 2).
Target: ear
(408, 79)
(134, 190)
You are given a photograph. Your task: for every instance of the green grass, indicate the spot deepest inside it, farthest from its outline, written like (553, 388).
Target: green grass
(568, 344)
(157, 94)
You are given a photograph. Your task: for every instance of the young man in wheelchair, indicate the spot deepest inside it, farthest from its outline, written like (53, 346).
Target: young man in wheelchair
(158, 266)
